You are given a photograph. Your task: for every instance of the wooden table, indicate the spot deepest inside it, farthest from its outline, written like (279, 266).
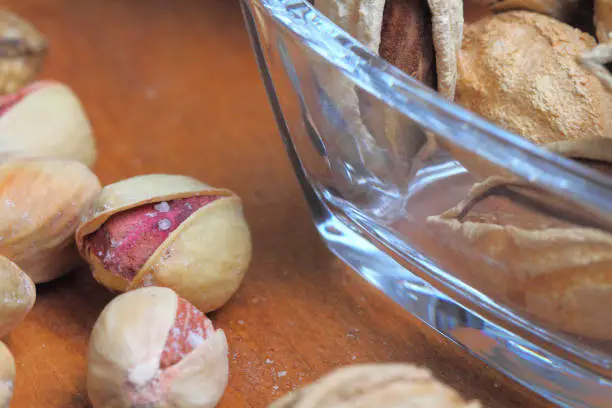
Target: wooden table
(173, 87)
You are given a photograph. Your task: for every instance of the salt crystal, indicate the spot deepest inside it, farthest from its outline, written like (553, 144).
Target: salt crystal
(188, 206)
(282, 374)
(162, 207)
(354, 358)
(100, 253)
(151, 214)
(275, 388)
(164, 224)
(268, 361)
(194, 340)
(240, 321)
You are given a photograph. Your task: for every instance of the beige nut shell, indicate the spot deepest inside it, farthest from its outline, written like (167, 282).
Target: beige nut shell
(42, 201)
(559, 273)
(17, 296)
(603, 20)
(377, 135)
(519, 69)
(51, 122)
(203, 260)
(7, 375)
(363, 20)
(388, 385)
(559, 9)
(125, 349)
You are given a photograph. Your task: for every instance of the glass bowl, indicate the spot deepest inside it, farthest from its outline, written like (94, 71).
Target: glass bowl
(498, 244)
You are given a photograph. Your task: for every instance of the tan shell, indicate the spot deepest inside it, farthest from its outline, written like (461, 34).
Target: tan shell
(363, 19)
(510, 74)
(603, 20)
(559, 9)
(552, 269)
(42, 201)
(386, 385)
(125, 350)
(203, 260)
(27, 56)
(381, 137)
(50, 121)
(595, 60)
(17, 296)
(7, 376)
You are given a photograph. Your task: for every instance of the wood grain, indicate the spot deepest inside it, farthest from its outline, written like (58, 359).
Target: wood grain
(172, 86)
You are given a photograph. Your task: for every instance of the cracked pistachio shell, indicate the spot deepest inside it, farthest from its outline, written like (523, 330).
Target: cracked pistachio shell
(125, 349)
(204, 259)
(17, 296)
(375, 385)
(562, 10)
(551, 268)
(603, 20)
(519, 70)
(7, 375)
(46, 119)
(42, 201)
(419, 37)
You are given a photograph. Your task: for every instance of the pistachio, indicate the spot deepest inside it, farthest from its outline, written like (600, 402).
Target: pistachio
(42, 200)
(17, 296)
(406, 33)
(595, 60)
(419, 37)
(519, 70)
(371, 385)
(545, 263)
(562, 10)
(45, 119)
(168, 230)
(23, 52)
(7, 375)
(150, 348)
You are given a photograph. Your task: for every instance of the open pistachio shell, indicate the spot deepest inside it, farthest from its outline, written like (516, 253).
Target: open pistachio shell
(42, 201)
(548, 266)
(125, 359)
(46, 119)
(204, 259)
(17, 296)
(419, 37)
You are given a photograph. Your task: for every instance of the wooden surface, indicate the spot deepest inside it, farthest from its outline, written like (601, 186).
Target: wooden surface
(173, 87)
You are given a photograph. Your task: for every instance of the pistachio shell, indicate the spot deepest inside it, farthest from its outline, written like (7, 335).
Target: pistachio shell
(378, 134)
(603, 20)
(24, 51)
(562, 10)
(140, 190)
(7, 375)
(518, 69)
(204, 259)
(125, 351)
(551, 268)
(42, 200)
(363, 19)
(375, 385)
(49, 121)
(215, 241)
(17, 296)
